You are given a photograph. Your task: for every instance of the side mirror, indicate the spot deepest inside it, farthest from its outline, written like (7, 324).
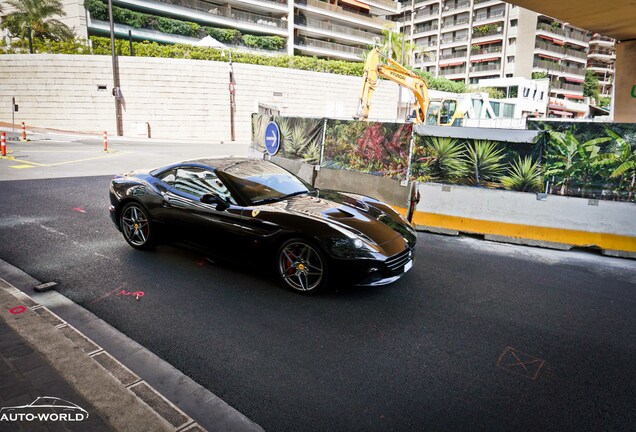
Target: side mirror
(221, 204)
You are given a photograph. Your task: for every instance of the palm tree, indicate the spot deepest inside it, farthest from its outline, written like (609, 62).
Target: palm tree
(485, 162)
(626, 157)
(523, 176)
(37, 15)
(392, 43)
(569, 158)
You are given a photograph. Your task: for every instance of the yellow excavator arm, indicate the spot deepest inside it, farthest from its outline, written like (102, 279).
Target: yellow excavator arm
(392, 70)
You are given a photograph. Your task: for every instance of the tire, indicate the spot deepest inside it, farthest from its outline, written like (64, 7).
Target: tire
(302, 266)
(136, 226)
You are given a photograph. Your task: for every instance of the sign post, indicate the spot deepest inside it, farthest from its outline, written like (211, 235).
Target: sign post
(272, 138)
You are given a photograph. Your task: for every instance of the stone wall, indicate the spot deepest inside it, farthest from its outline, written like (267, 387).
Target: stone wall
(185, 98)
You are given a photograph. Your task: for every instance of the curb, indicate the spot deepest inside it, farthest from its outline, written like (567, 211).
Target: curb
(177, 401)
(104, 382)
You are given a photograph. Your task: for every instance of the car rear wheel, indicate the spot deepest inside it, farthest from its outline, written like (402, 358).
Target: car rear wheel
(136, 226)
(302, 266)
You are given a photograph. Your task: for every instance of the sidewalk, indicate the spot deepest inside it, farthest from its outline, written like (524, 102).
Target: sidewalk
(42, 356)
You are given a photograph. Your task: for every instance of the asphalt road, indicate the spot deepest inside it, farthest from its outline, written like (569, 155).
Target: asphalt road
(478, 335)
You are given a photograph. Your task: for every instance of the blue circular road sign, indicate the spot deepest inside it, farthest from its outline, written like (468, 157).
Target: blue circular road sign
(272, 138)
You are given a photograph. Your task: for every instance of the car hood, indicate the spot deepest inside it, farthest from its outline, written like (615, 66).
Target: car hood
(355, 213)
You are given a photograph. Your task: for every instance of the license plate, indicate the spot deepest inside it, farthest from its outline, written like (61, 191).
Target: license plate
(408, 266)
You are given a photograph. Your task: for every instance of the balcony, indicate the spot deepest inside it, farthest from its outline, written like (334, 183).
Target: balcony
(423, 14)
(486, 31)
(576, 54)
(452, 40)
(485, 16)
(558, 85)
(578, 36)
(449, 23)
(221, 15)
(311, 23)
(450, 6)
(454, 55)
(487, 1)
(602, 41)
(329, 48)
(573, 70)
(486, 67)
(551, 48)
(425, 29)
(487, 50)
(448, 71)
(340, 13)
(551, 29)
(549, 66)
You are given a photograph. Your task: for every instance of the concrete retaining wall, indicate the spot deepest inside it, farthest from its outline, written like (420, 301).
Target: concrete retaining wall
(185, 98)
(516, 217)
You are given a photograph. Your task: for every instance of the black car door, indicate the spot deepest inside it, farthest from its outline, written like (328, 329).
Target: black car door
(198, 222)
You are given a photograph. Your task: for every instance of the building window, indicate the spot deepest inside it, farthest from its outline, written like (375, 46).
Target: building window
(513, 91)
(508, 75)
(511, 59)
(512, 41)
(514, 23)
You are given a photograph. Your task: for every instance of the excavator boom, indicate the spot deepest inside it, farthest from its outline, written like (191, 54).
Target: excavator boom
(392, 70)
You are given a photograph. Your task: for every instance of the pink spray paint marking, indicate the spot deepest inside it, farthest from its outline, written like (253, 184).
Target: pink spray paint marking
(79, 210)
(17, 310)
(136, 294)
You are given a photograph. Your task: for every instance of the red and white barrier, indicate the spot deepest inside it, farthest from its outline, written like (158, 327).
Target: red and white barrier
(105, 141)
(3, 143)
(24, 137)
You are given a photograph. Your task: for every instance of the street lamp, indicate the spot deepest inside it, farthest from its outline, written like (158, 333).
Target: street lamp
(116, 83)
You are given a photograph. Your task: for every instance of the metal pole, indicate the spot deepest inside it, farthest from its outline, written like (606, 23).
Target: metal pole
(232, 102)
(130, 46)
(13, 114)
(30, 38)
(116, 83)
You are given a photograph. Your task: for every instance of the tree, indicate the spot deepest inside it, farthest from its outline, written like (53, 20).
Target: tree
(392, 43)
(625, 155)
(485, 161)
(590, 87)
(37, 15)
(568, 159)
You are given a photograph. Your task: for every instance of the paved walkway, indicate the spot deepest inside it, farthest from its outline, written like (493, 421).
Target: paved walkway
(42, 356)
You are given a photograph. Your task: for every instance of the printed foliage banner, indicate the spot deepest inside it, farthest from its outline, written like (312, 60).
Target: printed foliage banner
(492, 164)
(590, 160)
(376, 148)
(300, 138)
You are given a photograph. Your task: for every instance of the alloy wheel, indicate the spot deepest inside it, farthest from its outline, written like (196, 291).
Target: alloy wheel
(301, 266)
(135, 225)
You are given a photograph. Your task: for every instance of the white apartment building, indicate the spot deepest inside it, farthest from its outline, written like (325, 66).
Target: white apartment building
(601, 58)
(471, 40)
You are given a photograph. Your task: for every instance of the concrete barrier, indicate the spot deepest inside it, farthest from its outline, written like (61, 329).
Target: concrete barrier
(385, 189)
(518, 217)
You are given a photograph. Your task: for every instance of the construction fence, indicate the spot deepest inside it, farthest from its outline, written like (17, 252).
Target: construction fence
(588, 160)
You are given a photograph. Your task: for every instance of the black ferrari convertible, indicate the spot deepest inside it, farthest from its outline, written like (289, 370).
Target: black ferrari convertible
(255, 210)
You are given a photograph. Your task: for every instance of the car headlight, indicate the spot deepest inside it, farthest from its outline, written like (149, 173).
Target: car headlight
(350, 247)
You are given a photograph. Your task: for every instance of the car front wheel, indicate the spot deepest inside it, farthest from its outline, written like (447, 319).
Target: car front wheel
(302, 266)
(136, 226)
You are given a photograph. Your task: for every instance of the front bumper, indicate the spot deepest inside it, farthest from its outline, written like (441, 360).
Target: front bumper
(366, 272)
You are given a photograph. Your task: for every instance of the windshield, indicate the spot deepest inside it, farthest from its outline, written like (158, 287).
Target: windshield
(260, 181)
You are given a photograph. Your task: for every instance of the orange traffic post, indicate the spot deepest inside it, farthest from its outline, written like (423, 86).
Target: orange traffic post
(24, 132)
(3, 143)
(105, 141)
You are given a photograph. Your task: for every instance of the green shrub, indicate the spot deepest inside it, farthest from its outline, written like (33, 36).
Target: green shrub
(264, 42)
(98, 9)
(229, 36)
